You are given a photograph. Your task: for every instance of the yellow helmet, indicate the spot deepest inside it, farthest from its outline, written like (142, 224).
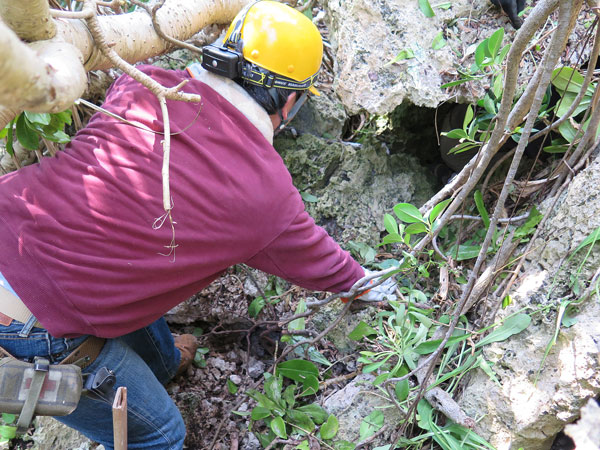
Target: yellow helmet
(279, 39)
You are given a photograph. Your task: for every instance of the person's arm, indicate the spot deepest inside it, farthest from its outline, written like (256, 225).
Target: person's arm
(304, 254)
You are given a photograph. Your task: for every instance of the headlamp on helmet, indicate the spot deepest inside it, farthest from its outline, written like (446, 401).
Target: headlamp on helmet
(268, 44)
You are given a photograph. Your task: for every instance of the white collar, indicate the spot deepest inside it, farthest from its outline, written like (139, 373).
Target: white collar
(238, 97)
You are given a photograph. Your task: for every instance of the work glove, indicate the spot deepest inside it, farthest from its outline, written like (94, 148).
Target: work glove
(384, 291)
(512, 8)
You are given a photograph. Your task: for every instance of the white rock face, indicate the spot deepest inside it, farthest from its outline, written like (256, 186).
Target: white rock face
(367, 35)
(586, 432)
(522, 412)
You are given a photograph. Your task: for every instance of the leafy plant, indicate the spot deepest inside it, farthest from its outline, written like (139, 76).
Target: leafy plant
(568, 82)
(273, 291)
(8, 430)
(29, 127)
(279, 407)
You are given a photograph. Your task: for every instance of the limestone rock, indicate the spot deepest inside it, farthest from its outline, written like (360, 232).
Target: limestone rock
(322, 116)
(522, 412)
(586, 432)
(356, 401)
(368, 35)
(351, 187)
(50, 434)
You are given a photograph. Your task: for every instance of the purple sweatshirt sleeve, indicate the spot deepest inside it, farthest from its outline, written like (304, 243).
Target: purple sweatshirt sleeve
(304, 254)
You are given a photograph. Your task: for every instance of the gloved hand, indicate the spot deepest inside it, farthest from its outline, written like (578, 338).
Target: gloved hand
(385, 291)
(512, 8)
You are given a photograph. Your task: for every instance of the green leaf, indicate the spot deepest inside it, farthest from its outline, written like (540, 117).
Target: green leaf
(361, 330)
(455, 83)
(567, 131)
(374, 366)
(424, 348)
(408, 213)
(489, 105)
(403, 54)
(444, 5)
(8, 418)
(590, 240)
(199, 360)
(506, 301)
(371, 424)
(41, 118)
(483, 364)
(512, 325)
(503, 54)
(301, 420)
(481, 208)
(25, 135)
(456, 134)
(391, 226)
(304, 445)
(8, 432)
(532, 221)
(343, 445)
(438, 41)
(265, 401)
(330, 428)
(260, 412)
(256, 306)
(438, 209)
(308, 197)
(467, 252)
(288, 395)
(468, 117)
(273, 387)
(58, 136)
(297, 369)
(315, 412)
(480, 53)
(402, 389)
(567, 79)
(278, 427)
(302, 371)
(498, 86)
(495, 41)
(232, 387)
(416, 228)
(298, 324)
(569, 319)
(381, 378)
(392, 239)
(425, 8)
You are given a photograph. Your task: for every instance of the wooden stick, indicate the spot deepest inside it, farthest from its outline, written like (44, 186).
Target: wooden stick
(119, 410)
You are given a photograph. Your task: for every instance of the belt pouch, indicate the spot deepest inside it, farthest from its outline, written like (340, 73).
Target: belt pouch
(60, 390)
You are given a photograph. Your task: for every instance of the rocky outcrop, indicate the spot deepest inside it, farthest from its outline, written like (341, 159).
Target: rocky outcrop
(586, 432)
(349, 187)
(536, 398)
(367, 35)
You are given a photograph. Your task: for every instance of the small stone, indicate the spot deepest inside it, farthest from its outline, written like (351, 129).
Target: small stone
(256, 368)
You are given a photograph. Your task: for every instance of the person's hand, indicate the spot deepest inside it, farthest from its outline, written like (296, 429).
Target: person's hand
(384, 291)
(512, 8)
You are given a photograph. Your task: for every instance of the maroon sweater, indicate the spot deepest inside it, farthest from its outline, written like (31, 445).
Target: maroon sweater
(77, 241)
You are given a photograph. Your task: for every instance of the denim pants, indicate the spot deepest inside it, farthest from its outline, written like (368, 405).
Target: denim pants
(142, 361)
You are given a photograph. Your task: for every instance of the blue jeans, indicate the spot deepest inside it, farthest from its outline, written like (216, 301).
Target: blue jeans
(142, 361)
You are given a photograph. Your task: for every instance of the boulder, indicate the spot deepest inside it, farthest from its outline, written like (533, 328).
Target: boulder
(368, 35)
(348, 188)
(537, 397)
